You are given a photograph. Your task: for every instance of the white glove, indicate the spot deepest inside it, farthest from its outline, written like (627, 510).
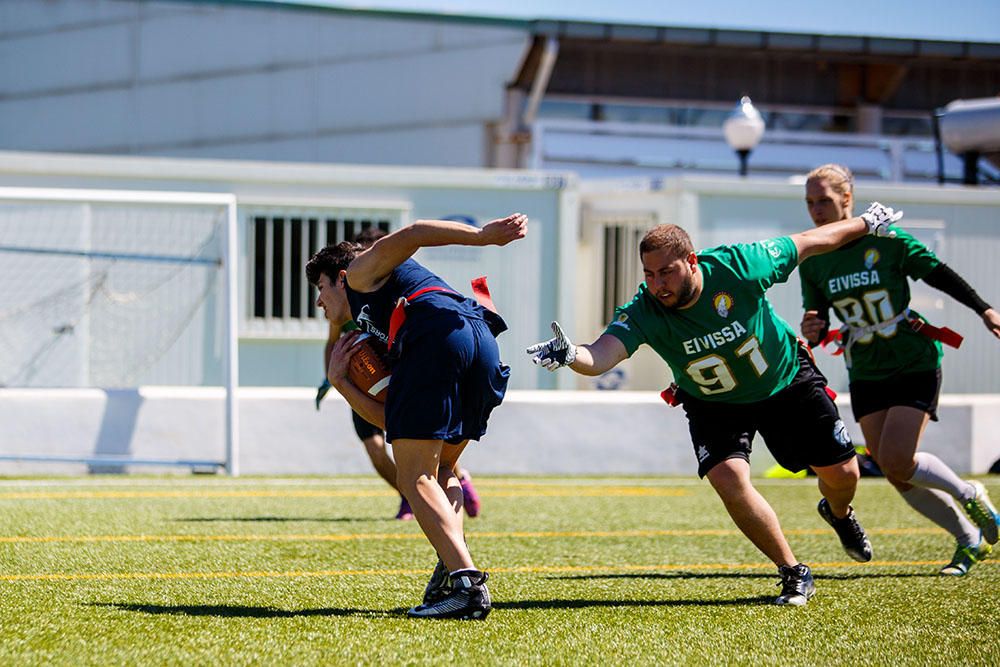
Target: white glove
(878, 218)
(555, 352)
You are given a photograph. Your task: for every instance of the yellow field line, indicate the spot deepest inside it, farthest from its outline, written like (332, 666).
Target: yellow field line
(540, 491)
(293, 537)
(552, 569)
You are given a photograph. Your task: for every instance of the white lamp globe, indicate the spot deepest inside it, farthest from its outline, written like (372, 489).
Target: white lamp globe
(744, 127)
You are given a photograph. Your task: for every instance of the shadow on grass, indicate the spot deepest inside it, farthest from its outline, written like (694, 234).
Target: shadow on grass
(281, 519)
(239, 611)
(931, 574)
(667, 575)
(584, 604)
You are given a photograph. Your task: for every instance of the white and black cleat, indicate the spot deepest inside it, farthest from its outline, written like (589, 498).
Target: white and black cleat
(469, 599)
(439, 585)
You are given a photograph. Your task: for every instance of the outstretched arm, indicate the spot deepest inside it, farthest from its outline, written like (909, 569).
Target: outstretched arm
(600, 356)
(370, 269)
(944, 278)
(875, 221)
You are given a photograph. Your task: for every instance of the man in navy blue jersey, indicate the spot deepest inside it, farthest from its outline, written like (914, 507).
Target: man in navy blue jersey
(371, 436)
(446, 379)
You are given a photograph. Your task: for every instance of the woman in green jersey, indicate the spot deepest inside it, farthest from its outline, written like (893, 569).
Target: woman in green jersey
(894, 369)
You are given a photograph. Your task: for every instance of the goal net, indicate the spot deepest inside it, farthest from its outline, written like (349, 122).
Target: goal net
(119, 290)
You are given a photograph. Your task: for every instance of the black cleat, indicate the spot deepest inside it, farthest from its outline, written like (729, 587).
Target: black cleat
(469, 599)
(439, 586)
(852, 535)
(797, 585)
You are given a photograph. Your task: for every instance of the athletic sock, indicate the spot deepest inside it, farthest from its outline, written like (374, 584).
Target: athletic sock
(940, 508)
(932, 472)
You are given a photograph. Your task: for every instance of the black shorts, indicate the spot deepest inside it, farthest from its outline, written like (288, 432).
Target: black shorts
(363, 428)
(918, 390)
(800, 425)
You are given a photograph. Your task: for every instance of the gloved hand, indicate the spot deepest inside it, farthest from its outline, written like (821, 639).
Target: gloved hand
(879, 217)
(321, 391)
(555, 352)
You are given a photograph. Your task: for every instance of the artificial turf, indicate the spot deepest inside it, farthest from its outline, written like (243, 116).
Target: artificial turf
(133, 570)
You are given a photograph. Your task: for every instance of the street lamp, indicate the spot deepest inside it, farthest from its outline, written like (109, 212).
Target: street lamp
(743, 129)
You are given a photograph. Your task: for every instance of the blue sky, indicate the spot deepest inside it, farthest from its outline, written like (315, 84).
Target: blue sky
(960, 20)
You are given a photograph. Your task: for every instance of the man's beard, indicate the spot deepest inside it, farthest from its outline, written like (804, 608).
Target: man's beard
(686, 294)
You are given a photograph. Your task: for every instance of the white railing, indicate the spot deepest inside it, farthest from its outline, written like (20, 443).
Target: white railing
(607, 149)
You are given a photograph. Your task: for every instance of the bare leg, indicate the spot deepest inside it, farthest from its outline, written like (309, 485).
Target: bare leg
(899, 433)
(379, 455)
(448, 476)
(894, 436)
(750, 511)
(417, 466)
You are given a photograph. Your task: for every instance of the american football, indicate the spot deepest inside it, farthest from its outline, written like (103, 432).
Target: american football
(369, 369)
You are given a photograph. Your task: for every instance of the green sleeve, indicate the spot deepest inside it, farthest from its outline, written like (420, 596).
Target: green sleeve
(812, 296)
(767, 262)
(625, 326)
(918, 260)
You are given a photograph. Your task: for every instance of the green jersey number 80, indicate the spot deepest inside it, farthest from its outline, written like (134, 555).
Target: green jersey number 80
(876, 306)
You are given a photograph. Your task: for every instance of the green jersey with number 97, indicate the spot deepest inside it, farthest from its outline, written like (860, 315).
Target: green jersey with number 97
(865, 282)
(729, 346)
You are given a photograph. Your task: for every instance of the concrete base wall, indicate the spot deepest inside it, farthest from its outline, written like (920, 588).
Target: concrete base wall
(533, 432)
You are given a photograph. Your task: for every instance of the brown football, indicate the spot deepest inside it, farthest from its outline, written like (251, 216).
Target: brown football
(369, 369)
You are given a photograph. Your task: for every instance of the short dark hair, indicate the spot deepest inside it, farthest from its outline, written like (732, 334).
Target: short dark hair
(331, 260)
(667, 236)
(368, 236)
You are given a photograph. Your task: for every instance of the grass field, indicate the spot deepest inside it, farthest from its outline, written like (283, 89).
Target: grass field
(584, 571)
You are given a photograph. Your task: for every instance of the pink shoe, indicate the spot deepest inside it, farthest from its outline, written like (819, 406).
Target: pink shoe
(471, 498)
(404, 513)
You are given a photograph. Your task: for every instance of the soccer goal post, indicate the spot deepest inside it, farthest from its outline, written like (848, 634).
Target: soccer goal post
(111, 292)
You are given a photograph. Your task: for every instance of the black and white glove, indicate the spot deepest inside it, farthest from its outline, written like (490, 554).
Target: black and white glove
(555, 352)
(879, 217)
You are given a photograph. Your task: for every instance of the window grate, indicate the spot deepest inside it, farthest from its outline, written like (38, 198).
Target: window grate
(280, 244)
(622, 267)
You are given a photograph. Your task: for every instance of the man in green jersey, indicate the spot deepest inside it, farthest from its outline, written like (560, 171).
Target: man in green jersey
(893, 364)
(740, 370)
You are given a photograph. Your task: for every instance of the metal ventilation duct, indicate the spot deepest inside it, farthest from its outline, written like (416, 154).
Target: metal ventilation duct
(971, 126)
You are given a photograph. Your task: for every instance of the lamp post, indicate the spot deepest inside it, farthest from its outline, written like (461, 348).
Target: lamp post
(743, 129)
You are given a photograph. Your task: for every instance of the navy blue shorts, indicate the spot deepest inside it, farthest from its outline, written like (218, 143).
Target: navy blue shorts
(446, 379)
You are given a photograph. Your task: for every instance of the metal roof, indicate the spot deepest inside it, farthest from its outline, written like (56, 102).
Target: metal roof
(957, 21)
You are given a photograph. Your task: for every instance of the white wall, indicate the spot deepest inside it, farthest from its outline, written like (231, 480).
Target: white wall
(254, 82)
(531, 280)
(596, 433)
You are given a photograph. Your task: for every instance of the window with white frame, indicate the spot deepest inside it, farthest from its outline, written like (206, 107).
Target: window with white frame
(622, 267)
(281, 241)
